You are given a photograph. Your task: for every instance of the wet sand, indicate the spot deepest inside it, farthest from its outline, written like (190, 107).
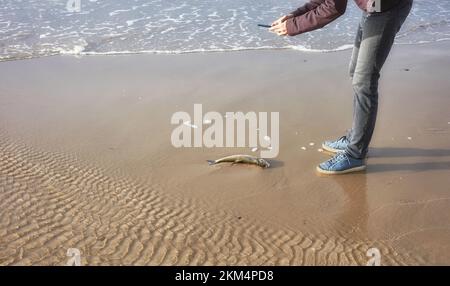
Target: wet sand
(86, 162)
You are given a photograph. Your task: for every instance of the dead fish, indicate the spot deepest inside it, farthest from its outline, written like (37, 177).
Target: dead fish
(245, 159)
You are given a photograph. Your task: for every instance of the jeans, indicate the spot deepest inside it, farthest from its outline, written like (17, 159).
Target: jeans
(374, 40)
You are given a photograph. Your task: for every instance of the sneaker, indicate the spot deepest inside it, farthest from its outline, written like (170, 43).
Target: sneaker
(336, 146)
(341, 163)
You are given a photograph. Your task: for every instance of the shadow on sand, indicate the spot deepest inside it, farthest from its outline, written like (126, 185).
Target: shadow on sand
(407, 152)
(275, 164)
(390, 152)
(413, 167)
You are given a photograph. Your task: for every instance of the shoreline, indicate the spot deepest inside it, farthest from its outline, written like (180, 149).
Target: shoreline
(343, 48)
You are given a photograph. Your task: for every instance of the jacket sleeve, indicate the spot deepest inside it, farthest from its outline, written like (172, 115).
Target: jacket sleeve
(322, 13)
(311, 5)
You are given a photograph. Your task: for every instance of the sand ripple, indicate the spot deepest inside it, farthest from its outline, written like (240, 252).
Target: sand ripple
(50, 202)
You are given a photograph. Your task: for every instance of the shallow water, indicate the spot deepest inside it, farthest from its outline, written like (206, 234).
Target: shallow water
(37, 28)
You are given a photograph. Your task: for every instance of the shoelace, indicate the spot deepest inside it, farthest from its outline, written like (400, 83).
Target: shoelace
(342, 139)
(338, 157)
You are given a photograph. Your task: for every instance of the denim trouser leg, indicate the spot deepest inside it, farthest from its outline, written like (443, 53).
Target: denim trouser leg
(374, 40)
(352, 67)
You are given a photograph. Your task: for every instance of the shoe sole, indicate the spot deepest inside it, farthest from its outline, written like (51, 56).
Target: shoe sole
(331, 150)
(352, 170)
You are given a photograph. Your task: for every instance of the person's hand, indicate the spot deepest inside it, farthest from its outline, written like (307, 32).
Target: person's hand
(282, 19)
(279, 26)
(280, 29)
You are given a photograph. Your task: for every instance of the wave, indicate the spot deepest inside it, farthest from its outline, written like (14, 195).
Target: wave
(79, 50)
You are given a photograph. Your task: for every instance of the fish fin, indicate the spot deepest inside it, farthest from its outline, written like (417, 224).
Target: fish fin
(211, 162)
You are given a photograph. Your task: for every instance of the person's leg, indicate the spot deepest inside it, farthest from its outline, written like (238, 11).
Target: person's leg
(378, 34)
(356, 46)
(340, 144)
(352, 67)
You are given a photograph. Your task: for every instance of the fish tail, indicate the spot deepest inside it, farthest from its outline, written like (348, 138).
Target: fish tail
(211, 162)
